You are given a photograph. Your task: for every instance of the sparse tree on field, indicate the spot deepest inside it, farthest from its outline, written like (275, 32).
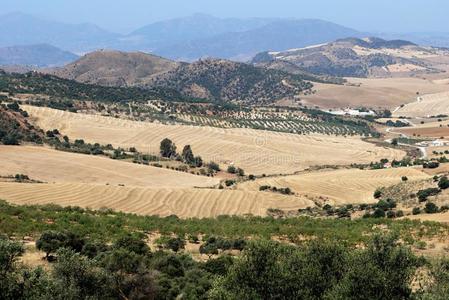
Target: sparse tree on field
(167, 148)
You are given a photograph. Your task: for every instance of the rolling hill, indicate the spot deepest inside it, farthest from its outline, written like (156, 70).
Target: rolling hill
(212, 79)
(224, 81)
(354, 57)
(115, 68)
(41, 55)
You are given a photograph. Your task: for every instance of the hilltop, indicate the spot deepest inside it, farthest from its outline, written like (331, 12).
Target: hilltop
(212, 79)
(115, 68)
(354, 57)
(223, 80)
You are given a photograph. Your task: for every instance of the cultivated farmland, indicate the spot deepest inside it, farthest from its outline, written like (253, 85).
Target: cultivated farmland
(49, 165)
(338, 187)
(256, 151)
(151, 201)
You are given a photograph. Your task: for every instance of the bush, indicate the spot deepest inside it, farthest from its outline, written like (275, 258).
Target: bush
(377, 194)
(424, 194)
(443, 183)
(232, 170)
(213, 166)
(416, 211)
(379, 213)
(431, 208)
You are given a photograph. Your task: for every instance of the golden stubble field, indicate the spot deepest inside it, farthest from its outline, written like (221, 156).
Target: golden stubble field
(373, 92)
(338, 187)
(425, 106)
(256, 151)
(98, 182)
(185, 203)
(52, 166)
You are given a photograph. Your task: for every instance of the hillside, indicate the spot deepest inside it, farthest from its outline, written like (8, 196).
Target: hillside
(277, 35)
(42, 55)
(58, 88)
(212, 79)
(353, 57)
(222, 80)
(115, 68)
(15, 128)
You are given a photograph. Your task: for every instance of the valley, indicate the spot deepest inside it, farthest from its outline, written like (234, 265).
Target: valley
(216, 158)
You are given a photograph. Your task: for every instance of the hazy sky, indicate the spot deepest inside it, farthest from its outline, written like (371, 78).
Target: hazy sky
(124, 15)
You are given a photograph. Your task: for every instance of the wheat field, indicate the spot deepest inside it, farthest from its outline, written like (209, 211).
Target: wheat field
(184, 203)
(338, 186)
(426, 105)
(52, 166)
(255, 151)
(373, 92)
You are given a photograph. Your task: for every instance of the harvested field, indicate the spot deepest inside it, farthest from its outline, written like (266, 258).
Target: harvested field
(49, 165)
(151, 201)
(426, 105)
(256, 151)
(431, 128)
(373, 92)
(338, 186)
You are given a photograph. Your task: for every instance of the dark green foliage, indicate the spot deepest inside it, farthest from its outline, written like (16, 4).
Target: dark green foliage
(213, 166)
(424, 194)
(269, 270)
(443, 183)
(430, 208)
(132, 244)
(431, 165)
(15, 128)
(379, 213)
(226, 81)
(416, 211)
(377, 194)
(175, 244)
(36, 83)
(51, 241)
(167, 148)
(187, 155)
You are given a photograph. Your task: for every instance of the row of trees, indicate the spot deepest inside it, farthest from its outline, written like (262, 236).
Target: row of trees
(168, 150)
(127, 269)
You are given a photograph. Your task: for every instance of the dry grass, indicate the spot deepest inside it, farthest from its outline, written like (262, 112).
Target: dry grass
(373, 92)
(255, 151)
(151, 201)
(339, 187)
(49, 165)
(427, 105)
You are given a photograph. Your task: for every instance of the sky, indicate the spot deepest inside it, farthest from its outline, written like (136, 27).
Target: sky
(125, 15)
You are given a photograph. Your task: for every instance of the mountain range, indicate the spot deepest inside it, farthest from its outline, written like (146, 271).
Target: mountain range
(354, 57)
(189, 38)
(38, 56)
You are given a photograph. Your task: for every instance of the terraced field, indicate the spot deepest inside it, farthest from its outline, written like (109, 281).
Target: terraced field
(256, 151)
(426, 105)
(49, 165)
(338, 186)
(151, 201)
